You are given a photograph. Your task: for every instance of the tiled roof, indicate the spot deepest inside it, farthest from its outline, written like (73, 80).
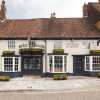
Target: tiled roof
(45, 28)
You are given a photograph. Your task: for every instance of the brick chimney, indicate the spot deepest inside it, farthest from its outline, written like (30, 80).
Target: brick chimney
(53, 16)
(3, 11)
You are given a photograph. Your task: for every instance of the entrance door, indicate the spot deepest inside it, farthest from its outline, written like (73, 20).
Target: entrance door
(78, 65)
(32, 65)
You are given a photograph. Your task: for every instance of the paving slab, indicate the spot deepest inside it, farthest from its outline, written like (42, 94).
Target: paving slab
(48, 84)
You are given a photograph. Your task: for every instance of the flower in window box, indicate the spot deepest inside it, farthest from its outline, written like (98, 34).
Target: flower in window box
(94, 51)
(58, 51)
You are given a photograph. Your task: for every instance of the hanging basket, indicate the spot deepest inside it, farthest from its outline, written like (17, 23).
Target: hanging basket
(31, 51)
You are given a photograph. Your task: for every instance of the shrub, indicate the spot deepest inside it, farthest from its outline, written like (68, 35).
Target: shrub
(98, 75)
(60, 76)
(4, 78)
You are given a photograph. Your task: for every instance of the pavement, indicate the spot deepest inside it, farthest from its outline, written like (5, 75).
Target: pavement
(31, 83)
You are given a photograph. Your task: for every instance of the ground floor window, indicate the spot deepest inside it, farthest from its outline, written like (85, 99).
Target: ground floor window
(92, 63)
(57, 63)
(11, 64)
(8, 64)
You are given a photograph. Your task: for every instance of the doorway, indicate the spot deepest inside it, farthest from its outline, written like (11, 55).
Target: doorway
(78, 65)
(32, 65)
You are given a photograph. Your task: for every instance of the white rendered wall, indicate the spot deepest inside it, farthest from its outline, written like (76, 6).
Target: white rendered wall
(3, 46)
(81, 49)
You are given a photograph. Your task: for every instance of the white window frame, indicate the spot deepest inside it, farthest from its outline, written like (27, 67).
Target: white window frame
(64, 70)
(13, 58)
(8, 64)
(91, 64)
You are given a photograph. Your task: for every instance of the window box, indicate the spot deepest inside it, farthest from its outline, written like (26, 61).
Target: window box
(8, 53)
(58, 51)
(94, 52)
(60, 76)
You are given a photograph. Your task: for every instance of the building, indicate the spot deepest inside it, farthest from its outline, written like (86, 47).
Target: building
(51, 45)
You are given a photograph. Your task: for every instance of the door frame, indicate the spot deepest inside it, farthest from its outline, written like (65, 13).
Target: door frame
(78, 69)
(27, 72)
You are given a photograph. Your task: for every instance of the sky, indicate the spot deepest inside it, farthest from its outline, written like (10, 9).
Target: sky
(26, 9)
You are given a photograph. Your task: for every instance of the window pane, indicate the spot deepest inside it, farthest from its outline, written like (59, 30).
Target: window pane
(16, 60)
(58, 63)
(50, 63)
(96, 63)
(65, 63)
(16, 64)
(87, 62)
(16, 67)
(8, 64)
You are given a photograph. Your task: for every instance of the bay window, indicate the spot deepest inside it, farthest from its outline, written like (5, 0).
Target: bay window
(92, 63)
(57, 63)
(11, 64)
(8, 64)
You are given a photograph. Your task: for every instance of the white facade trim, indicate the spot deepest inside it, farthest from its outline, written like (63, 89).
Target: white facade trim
(13, 58)
(91, 64)
(53, 64)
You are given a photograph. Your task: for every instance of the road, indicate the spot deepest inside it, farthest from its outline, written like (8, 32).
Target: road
(93, 95)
